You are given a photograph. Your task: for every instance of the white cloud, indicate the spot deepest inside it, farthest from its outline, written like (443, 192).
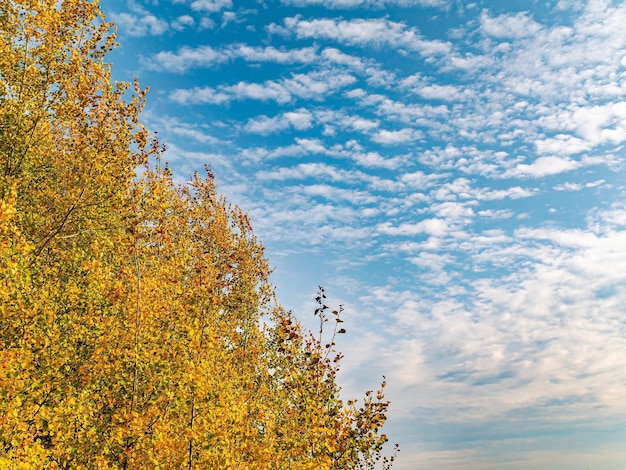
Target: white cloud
(305, 170)
(496, 213)
(361, 124)
(544, 166)
(346, 121)
(206, 23)
(301, 148)
(186, 58)
(271, 54)
(199, 95)
(577, 186)
(420, 180)
(315, 86)
(433, 261)
(401, 136)
(566, 238)
(408, 112)
(437, 227)
(608, 220)
(211, 6)
(337, 4)
(333, 193)
(311, 145)
(592, 122)
(189, 161)
(183, 22)
(229, 17)
(562, 145)
(456, 211)
(462, 189)
(168, 124)
(439, 92)
(516, 192)
(509, 25)
(299, 119)
(373, 32)
(140, 23)
(375, 160)
(467, 62)
(517, 340)
(341, 58)
(432, 91)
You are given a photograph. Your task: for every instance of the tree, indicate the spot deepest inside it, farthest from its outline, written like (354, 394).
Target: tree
(138, 328)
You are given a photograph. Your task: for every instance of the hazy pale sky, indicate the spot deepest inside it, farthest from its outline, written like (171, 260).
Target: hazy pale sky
(451, 171)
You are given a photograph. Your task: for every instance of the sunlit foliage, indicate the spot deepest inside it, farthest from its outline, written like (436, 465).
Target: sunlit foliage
(138, 328)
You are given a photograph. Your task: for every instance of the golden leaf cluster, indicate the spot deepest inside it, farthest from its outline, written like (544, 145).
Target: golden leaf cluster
(138, 329)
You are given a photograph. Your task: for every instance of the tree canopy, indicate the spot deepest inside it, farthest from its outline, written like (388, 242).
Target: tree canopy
(138, 328)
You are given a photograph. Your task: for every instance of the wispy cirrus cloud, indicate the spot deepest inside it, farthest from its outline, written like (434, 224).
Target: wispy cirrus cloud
(435, 226)
(577, 186)
(338, 4)
(332, 193)
(335, 120)
(187, 58)
(270, 54)
(518, 25)
(298, 119)
(300, 148)
(363, 32)
(376, 160)
(306, 170)
(402, 111)
(210, 6)
(312, 86)
(183, 22)
(515, 334)
(140, 23)
(550, 165)
(389, 137)
(433, 91)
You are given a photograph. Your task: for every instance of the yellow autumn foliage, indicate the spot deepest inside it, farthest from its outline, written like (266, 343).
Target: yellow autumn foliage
(138, 329)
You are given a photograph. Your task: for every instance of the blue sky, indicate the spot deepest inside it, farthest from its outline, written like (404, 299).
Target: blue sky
(451, 171)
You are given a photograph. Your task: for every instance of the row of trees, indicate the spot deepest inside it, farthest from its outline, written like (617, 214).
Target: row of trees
(138, 328)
